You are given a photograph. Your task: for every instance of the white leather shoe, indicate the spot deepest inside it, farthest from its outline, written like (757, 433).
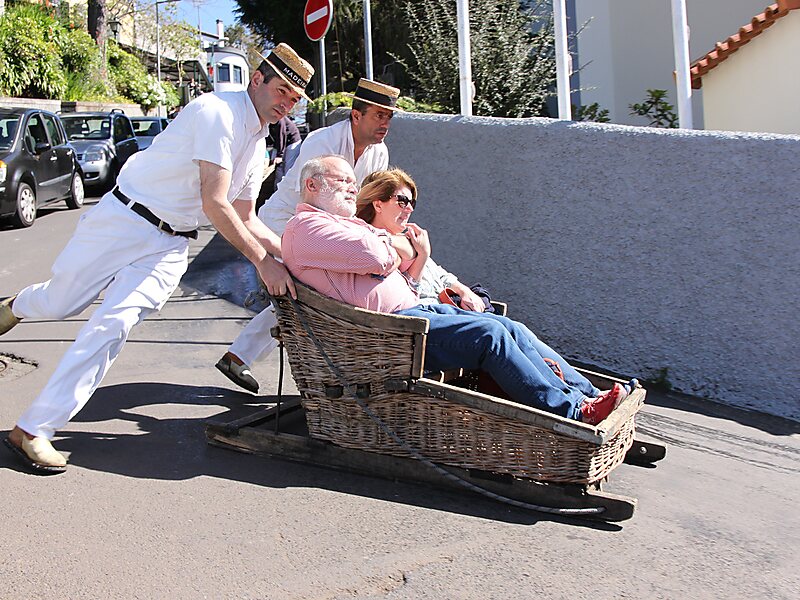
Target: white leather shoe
(7, 318)
(39, 454)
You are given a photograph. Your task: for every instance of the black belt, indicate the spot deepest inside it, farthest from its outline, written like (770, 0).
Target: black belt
(143, 212)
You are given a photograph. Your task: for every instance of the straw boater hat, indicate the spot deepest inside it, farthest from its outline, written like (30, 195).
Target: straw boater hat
(290, 67)
(377, 93)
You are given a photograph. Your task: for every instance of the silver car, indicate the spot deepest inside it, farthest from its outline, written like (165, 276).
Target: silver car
(104, 141)
(147, 128)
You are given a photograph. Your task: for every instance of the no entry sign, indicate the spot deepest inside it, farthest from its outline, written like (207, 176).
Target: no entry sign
(317, 18)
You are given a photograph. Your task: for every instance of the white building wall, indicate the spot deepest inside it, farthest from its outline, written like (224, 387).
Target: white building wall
(637, 36)
(758, 87)
(232, 61)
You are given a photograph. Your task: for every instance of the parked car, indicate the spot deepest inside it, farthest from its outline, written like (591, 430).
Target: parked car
(104, 141)
(37, 164)
(147, 128)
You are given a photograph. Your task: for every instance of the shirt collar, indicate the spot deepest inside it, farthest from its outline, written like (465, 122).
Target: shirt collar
(305, 207)
(251, 121)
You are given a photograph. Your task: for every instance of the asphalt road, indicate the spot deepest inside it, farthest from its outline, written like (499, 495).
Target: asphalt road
(148, 510)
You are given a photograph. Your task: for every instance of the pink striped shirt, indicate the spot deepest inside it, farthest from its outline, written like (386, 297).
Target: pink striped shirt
(345, 259)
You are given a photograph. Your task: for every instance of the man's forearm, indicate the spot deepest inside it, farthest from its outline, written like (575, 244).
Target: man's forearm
(265, 236)
(214, 184)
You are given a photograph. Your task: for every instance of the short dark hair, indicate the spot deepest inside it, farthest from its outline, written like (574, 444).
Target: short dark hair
(267, 71)
(360, 106)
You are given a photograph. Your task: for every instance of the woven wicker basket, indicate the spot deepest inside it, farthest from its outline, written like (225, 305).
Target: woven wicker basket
(381, 360)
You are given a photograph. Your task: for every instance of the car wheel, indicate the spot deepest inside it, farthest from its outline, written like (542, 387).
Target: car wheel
(26, 206)
(76, 193)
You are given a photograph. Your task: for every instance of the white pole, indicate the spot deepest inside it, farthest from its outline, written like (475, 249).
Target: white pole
(464, 58)
(158, 45)
(680, 40)
(368, 38)
(323, 78)
(562, 60)
(158, 56)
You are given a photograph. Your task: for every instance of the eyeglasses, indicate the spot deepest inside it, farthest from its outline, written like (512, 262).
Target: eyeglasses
(340, 180)
(403, 201)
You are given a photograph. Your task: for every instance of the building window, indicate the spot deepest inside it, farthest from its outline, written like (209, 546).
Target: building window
(223, 73)
(237, 74)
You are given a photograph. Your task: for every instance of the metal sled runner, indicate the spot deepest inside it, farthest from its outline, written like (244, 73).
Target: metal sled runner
(370, 407)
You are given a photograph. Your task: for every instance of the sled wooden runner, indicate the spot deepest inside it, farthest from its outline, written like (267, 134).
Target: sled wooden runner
(255, 434)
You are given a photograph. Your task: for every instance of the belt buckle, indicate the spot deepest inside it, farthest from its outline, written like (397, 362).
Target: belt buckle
(168, 230)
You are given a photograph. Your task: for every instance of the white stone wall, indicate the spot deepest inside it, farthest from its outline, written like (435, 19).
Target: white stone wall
(10, 102)
(638, 250)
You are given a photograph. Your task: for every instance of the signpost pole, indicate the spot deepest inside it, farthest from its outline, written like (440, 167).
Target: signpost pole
(368, 38)
(465, 86)
(317, 19)
(323, 78)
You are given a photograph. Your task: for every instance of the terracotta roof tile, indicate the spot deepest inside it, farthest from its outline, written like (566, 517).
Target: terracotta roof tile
(722, 50)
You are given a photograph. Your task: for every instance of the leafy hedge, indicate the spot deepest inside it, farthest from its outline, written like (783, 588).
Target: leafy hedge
(336, 99)
(42, 57)
(30, 54)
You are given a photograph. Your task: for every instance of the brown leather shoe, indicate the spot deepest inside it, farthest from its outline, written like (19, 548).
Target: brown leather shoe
(38, 453)
(7, 318)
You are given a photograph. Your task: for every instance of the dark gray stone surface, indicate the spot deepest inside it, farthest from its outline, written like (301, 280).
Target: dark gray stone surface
(663, 254)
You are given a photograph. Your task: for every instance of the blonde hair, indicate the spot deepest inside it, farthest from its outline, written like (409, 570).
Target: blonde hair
(381, 185)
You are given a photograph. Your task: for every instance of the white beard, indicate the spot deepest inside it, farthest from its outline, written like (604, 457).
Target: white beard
(343, 205)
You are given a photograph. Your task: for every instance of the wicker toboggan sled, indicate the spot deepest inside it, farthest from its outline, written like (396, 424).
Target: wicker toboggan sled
(363, 386)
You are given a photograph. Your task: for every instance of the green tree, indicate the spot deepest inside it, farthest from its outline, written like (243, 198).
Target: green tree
(415, 47)
(178, 39)
(133, 82)
(513, 65)
(274, 21)
(240, 35)
(29, 53)
(591, 112)
(656, 108)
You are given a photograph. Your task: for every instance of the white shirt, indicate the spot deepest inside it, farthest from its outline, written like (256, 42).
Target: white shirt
(336, 139)
(433, 280)
(221, 128)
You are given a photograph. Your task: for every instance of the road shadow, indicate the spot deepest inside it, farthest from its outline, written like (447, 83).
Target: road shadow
(768, 423)
(221, 270)
(175, 449)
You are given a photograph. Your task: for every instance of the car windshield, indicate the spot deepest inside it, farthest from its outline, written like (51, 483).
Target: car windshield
(148, 127)
(87, 128)
(8, 127)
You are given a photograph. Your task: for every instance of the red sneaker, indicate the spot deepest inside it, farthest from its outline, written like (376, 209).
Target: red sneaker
(594, 410)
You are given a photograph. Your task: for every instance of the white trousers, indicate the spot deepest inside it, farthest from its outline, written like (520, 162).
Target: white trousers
(255, 342)
(138, 266)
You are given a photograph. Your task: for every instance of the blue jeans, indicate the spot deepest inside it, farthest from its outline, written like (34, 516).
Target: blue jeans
(508, 351)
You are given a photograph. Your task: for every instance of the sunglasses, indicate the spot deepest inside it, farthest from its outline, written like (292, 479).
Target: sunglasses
(403, 201)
